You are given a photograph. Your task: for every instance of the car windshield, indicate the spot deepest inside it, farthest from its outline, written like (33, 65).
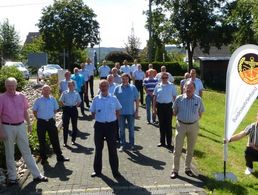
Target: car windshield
(53, 66)
(19, 65)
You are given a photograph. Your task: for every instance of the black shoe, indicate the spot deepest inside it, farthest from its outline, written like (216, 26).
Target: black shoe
(170, 147)
(94, 174)
(117, 175)
(73, 142)
(161, 145)
(65, 145)
(83, 114)
(174, 175)
(41, 179)
(44, 161)
(62, 159)
(190, 173)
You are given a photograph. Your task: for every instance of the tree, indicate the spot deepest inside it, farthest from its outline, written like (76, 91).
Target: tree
(9, 41)
(191, 23)
(37, 45)
(242, 18)
(159, 37)
(133, 45)
(69, 25)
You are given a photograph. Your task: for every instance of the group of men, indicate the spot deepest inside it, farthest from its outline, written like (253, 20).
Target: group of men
(115, 107)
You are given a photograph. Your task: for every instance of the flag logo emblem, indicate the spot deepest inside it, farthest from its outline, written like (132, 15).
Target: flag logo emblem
(248, 68)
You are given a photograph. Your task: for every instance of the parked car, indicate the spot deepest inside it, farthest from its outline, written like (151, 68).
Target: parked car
(46, 71)
(20, 66)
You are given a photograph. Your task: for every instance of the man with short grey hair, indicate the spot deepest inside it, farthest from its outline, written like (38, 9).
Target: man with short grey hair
(13, 111)
(188, 109)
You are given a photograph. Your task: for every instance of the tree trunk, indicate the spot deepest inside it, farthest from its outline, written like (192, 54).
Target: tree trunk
(190, 56)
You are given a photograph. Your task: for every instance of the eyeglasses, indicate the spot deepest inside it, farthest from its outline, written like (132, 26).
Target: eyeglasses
(164, 77)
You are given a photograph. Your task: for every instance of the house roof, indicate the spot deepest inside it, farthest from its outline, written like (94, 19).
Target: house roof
(214, 52)
(31, 36)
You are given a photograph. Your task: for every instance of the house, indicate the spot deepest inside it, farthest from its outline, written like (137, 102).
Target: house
(213, 66)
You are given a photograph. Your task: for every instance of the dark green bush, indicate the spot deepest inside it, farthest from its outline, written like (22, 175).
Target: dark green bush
(10, 71)
(118, 56)
(175, 68)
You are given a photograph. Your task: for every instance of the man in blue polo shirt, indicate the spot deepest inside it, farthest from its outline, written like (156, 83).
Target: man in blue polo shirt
(128, 96)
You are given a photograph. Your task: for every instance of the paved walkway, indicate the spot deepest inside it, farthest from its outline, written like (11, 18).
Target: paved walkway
(145, 171)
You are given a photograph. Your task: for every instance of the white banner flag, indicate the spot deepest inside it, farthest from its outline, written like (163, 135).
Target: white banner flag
(241, 86)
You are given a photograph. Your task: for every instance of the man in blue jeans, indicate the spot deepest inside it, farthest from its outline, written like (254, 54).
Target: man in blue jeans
(149, 84)
(128, 96)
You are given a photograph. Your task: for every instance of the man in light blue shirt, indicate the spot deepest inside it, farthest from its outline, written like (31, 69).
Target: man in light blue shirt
(104, 70)
(70, 100)
(44, 110)
(128, 97)
(86, 75)
(63, 86)
(105, 109)
(138, 76)
(164, 96)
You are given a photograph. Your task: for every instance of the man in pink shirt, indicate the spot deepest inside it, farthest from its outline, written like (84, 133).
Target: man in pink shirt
(13, 112)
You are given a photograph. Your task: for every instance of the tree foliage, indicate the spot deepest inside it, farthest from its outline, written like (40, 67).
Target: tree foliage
(132, 47)
(9, 41)
(190, 23)
(242, 18)
(70, 25)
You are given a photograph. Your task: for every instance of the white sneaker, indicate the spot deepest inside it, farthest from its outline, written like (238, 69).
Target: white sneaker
(249, 171)
(121, 149)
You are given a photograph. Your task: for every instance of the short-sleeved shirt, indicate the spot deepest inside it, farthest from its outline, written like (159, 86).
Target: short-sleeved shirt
(105, 108)
(198, 86)
(165, 93)
(133, 68)
(64, 86)
(150, 84)
(187, 109)
(104, 70)
(79, 79)
(138, 75)
(91, 68)
(85, 73)
(45, 107)
(13, 107)
(117, 79)
(252, 131)
(170, 77)
(111, 88)
(125, 69)
(126, 94)
(70, 98)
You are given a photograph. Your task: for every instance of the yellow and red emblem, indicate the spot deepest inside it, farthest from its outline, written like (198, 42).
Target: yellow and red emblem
(248, 68)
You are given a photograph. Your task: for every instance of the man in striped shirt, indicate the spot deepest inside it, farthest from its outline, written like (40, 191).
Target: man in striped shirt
(188, 109)
(149, 84)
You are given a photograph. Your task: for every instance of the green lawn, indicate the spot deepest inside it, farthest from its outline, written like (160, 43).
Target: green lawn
(209, 149)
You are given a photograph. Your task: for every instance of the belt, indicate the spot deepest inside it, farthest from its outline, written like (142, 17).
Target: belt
(12, 124)
(69, 106)
(186, 123)
(105, 122)
(45, 120)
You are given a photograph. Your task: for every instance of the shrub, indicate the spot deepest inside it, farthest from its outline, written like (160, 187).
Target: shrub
(118, 56)
(10, 71)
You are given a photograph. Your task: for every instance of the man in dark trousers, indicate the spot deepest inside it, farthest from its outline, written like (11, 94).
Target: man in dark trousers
(105, 109)
(44, 110)
(70, 100)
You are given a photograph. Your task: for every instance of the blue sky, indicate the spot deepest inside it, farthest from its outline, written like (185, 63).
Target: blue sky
(116, 18)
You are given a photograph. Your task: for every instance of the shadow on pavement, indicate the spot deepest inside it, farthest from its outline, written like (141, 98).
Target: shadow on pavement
(124, 187)
(141, 159)
(59, 170)
(80, 149)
